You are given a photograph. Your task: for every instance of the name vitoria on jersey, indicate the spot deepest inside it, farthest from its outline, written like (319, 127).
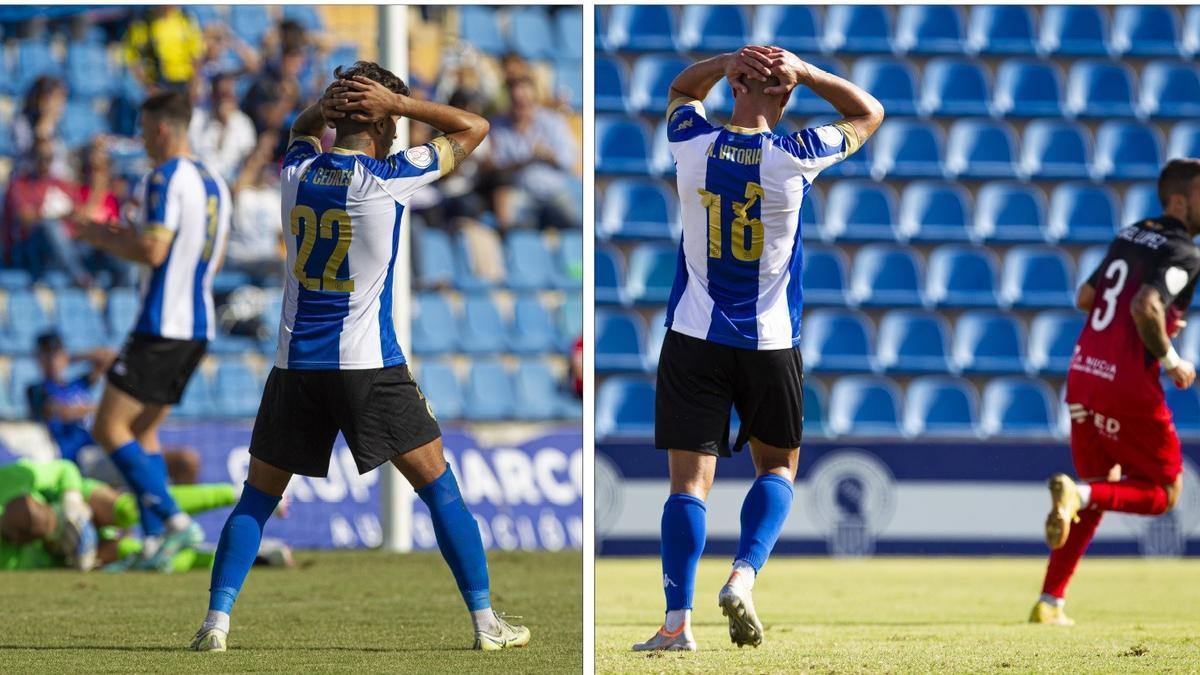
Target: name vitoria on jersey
(737, 281)
(341, 215)
(186, 201)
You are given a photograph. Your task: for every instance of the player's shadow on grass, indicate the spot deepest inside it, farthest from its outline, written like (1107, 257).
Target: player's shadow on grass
(234, 650)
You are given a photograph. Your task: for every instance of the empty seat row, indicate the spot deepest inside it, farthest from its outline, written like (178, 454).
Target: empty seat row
(916, 29)
(532, 31)
(438, 329)
(906, 342)
(492, 393)
(443, 260)
(974, 149)
(883, 275)
(949, 86)
(925, 211)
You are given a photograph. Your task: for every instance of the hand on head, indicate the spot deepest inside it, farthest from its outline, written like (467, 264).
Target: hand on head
(762, 63)
(358, 98)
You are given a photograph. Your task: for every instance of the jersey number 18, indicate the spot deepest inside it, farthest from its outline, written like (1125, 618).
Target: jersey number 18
(745, 234)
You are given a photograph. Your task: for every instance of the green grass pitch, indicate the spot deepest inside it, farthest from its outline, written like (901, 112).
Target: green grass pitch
(342, 611)
(882, 615)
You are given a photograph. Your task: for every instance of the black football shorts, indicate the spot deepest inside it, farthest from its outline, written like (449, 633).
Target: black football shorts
(155, 369)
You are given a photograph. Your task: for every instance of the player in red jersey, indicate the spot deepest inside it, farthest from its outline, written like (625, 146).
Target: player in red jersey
(1123, 441)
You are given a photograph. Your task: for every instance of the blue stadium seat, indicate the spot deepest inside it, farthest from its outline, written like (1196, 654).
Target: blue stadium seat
(929, 29)
(812, 214)
(890, 80)
(530, 33)
(537, 393)
(624, 407)
(305, 15)
(568, 30)
(1010, 212)
(198, 399)
(1055, 149)
(123, 307)
(988, 342)
(907, 149)
(886, 275)
(490, 394)
(914, 341)
(860, 210)
(24, 374)
(1141, 201)
(1052, 338)
(1185, 410)
(803, 100)
(640, 28)
(1037, 276)
(1075, 30)
(87, 69)
(941, 406)
(637, 208)
(1018, 406)
(443, 390)
(1000, 29)
(1191, 31)
(854, 166)
(1127, 150)
(26, 320)
(662, 163)
(467, 260)
(935, 210)
(81, 123)
(250, 22)
(712, 28)
(611, 85)
(345, 53)
(1145, 30)
(236, 389)
(1101, 89)
(1170, 89)
(478, 26)
(824, 281)
(651, 272)
(569, 320)
(434, 326)
(650, 82)
(622, 145)
(816, 406)
(1089, 261)
(568, 81)
(1184, 140)
(793, 27)
(12, 278)
(78, 322)
(528, 260)
(864, 405)
(1027, 88)
(953, 87)
(533, 329)
(620, 341)
(858, 29)
(981, 149)
(961, 276)
(33, 58)
(435, 258)
(7, 146)
(610, 276)
(205, 14)
(481, 329)
(837, 340)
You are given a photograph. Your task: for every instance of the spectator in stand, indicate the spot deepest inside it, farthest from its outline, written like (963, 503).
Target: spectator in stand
(225, 54)
(274, 96)
(36, 208)
(456, 195)
(41, 115)
(222, 134)
(255, 243)
(98, 203)
(163, 48)
(532, 160)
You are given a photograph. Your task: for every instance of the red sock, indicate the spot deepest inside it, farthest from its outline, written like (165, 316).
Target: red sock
(1128, 496)
(1064, 560)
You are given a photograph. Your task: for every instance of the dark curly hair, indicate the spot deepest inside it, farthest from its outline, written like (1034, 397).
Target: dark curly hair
(1176, 178)
(371, 71)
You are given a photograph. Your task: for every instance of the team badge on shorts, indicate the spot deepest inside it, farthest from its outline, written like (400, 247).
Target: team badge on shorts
(420, 156)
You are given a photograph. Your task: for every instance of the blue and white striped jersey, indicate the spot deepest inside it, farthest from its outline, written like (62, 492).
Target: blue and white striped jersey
(737, 281)
(184, 200)
(342, 211)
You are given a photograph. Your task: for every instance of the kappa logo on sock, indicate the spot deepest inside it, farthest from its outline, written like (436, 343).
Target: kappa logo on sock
(667, 583)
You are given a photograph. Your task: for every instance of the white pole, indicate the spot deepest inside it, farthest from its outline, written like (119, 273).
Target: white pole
(396, 495)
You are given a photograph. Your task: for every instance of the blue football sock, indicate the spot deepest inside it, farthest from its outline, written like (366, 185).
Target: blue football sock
(152, 524)
(146, 482)
(458, 538)
(238, 546)
(683, 531)
(763, 512)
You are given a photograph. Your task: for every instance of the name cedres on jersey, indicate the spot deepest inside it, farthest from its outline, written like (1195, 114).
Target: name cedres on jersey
(1111, 370)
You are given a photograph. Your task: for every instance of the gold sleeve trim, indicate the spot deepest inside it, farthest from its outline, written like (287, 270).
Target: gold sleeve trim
(158, 231)
(685, 100)
(445, 154)
(311, 140)
(853, 143)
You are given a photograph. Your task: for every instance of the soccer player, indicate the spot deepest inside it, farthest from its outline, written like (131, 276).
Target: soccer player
(178, 234)
(1123, 441)
(734, 311)
(339, 366)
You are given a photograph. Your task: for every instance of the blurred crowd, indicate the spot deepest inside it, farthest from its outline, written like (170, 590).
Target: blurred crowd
(245, 98)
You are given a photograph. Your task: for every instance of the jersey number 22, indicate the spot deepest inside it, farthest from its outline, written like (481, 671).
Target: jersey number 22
(333, 223)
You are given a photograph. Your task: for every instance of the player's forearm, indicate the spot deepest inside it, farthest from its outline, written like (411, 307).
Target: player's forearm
(1149, 316)
(130, 246)
(699, 78)
(310, 122)
(465, 130)
(851, 101)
